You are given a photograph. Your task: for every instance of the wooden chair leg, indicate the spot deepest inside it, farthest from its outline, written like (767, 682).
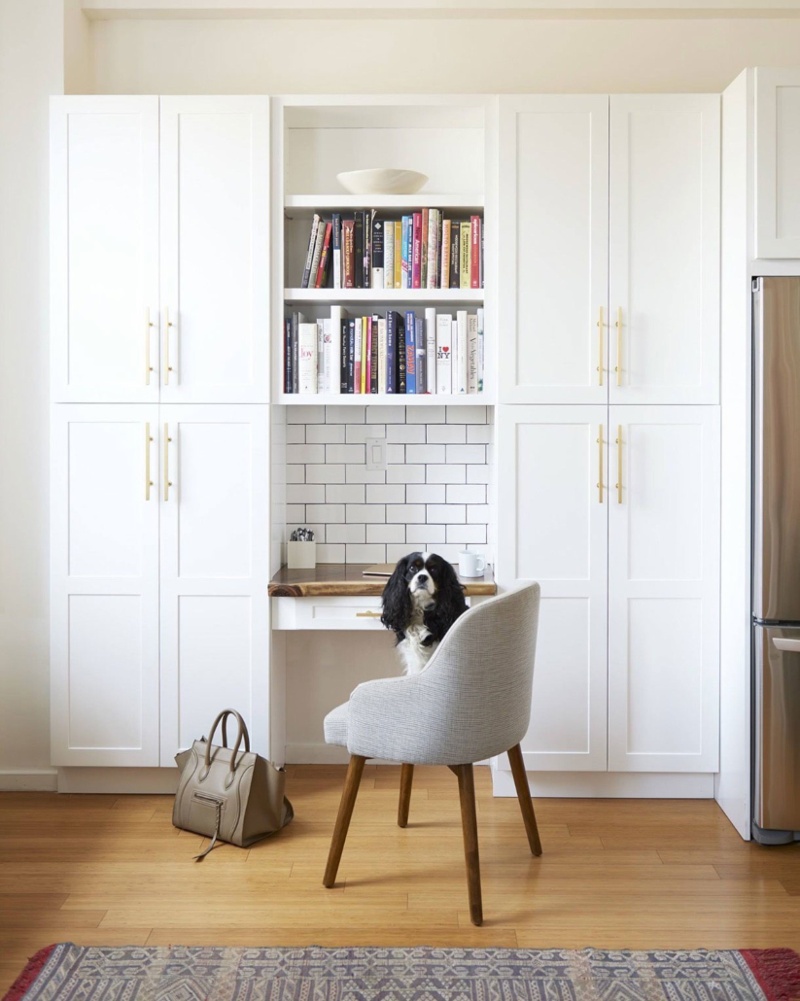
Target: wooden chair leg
(524, 797)
(406, 778)
(348, 801)
(469, 823)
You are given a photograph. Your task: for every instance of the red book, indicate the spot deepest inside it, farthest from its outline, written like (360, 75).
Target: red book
(349, 253)
(475, 251)
(323, 260)
(416, 250)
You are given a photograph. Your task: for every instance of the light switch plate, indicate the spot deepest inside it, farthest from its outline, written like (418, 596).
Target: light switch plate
(376, 453)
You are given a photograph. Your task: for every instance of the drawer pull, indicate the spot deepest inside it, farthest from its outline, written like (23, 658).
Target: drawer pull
(368, 615)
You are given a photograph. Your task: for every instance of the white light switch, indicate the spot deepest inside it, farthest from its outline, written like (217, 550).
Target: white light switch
(376, 453)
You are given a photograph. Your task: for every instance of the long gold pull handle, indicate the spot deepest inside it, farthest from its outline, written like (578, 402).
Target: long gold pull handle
(600, 465)
(148, 438)
(368, 615)
(148, 368)
(167, 481)
(167, 367)
(618, 367)
(601, 348)
(618, 484)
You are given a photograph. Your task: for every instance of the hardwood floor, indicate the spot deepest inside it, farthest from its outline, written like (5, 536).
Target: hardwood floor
(112, 870)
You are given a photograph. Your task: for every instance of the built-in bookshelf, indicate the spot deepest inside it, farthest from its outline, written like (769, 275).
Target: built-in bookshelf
(443, 138)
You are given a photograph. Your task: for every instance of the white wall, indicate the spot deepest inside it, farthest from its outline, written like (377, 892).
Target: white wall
(31, 68)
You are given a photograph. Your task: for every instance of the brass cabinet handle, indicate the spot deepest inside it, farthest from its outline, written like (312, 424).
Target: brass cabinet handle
(368, 615)
(167, 481)
(600, 366)
(148, 438)
(167, 367)
(618, 367)
(600, 465)
(618, 484)
(148, 368)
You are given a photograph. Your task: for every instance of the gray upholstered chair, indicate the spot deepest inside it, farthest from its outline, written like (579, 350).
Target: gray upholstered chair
(472, 701)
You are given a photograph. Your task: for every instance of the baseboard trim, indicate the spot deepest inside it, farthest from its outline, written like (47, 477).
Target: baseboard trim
(29, 780)
(119, 781)
(609, 785)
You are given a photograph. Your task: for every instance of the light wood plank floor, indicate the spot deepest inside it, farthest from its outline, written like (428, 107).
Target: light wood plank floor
(112, 870)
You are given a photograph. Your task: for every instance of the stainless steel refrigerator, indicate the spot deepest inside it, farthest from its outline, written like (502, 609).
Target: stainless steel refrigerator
(776, 560)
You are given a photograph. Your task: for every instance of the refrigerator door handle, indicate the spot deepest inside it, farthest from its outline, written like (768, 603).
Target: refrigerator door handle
(790, 646)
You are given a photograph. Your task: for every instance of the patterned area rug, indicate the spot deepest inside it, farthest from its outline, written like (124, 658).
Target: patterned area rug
(69, 972)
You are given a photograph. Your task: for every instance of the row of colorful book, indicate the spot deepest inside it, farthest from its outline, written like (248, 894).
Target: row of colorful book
(400, 352)
(420, 250)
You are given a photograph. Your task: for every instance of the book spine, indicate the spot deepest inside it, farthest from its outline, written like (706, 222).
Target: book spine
(287, 355)
(480, 349)
(430, 349)
(405, 280)
(312, 242)
(475, 252)
(416, 249)
(432, 275)
(344, 352)
(382, 355)
(419, 341)
(358, 249)
(463, 275)
(336, 244)
(373, 354)
(335, 367)
(472, 353)
(351, 355)
(377, 253)
(317, 254)
(462, 354)
(401, 355)
(398, 254)
(307, 357)
(368, 219)
(364, 355)
(444, 267)
(359, 335)
(423, 248)
(321, 278)
(388, 254)
(297, 319)
(321, 384)
(391, 351)
(443, 354)
(455, 252)
(411, 353)
(348, 249)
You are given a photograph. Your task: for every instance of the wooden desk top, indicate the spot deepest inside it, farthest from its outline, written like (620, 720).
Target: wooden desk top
(331, 579)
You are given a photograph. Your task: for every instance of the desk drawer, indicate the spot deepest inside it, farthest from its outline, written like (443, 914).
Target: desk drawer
(326, 613)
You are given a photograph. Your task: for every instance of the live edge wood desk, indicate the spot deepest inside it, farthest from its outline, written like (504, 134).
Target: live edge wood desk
(339, 596)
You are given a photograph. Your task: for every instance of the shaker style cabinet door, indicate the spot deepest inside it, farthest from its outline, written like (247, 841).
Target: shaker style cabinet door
(552, 528)
(663, 585)
(777, 207)
(664, 248)
(214, 500)
(215, 173)
(104, 249)
(104, 585)
(553, 247)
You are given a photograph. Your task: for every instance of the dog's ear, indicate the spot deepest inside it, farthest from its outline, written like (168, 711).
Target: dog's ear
(397, 600)
(450, 601)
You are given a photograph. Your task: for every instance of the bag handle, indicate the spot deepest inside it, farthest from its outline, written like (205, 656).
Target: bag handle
(241, 734)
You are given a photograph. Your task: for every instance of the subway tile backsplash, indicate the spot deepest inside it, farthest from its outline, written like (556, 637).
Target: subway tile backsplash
(434, 494)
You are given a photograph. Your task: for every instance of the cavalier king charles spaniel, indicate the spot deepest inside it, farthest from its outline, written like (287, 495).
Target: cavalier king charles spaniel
(421, 600)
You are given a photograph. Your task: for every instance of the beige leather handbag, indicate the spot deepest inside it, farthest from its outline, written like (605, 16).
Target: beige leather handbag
(228, 794)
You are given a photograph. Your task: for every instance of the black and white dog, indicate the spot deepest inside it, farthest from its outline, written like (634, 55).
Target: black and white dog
(421, 600)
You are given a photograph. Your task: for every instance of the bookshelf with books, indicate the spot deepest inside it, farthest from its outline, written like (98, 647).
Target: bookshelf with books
(385, 295)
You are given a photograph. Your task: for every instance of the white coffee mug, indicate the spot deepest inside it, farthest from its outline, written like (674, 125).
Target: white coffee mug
(470, 564)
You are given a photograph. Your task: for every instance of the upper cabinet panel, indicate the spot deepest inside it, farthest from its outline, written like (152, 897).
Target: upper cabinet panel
(777, 163)
(664, 248)
(215, 249)
(553, 249)
(104, 248)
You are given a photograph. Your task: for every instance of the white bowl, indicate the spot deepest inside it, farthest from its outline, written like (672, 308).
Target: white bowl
(382, 181)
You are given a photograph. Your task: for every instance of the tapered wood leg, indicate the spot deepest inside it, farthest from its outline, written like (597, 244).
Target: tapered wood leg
(351, 783)
(469, 823)
(524, 797)
(406, 778)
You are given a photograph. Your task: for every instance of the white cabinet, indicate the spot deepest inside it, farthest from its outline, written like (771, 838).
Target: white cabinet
(159, 577)
(629, 577)
(777, 162)
(609, 260)
(160, 249)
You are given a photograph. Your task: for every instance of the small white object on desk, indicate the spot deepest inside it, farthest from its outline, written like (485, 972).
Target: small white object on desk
(470, 564)
(382, 181)
(301, 555)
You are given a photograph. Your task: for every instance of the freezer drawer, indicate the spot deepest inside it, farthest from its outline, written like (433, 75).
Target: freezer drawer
(776, 692)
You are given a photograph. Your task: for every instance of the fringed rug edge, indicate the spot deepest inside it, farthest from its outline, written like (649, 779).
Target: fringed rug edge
(29, 974)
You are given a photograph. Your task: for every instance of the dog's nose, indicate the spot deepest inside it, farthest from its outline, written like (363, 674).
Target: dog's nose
(421, 578)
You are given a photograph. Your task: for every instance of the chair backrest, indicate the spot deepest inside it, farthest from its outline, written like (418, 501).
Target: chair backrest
(482, 675)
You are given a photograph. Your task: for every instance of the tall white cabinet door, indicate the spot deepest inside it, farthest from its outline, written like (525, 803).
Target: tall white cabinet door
(552, 528)
(553, 285)
(214, 570)
(664, 248)
(777, 163)
(104, 248)
(215, 249)
(664, 589)
(104, 585)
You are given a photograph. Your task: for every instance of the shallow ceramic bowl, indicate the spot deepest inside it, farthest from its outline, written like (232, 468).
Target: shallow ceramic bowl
(382, 181)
